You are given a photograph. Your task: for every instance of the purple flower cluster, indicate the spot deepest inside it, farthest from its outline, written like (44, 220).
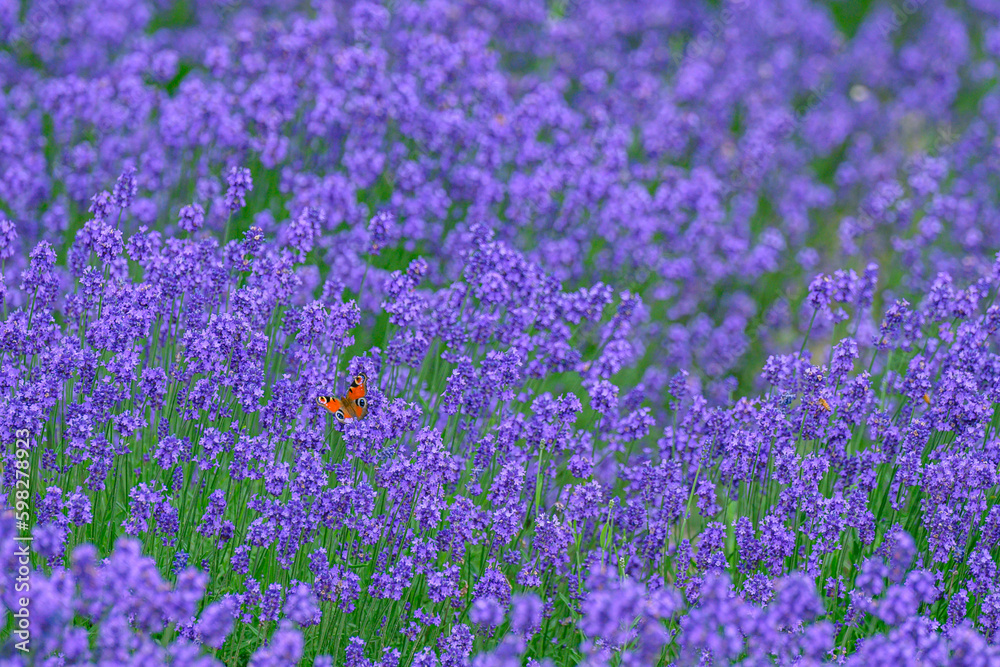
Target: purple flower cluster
(676, 320)
(430, 121)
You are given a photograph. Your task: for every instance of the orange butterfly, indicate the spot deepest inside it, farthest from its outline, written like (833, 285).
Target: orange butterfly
(352, 406)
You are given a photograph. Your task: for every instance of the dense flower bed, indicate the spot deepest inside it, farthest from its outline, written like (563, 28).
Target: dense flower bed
(675, 320)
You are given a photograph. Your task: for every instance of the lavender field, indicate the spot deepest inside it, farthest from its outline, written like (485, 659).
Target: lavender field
(499, 333)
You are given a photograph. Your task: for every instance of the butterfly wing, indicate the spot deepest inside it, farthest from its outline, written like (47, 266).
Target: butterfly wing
(351, 410)
(356, 403)
(352, 406)
(358, 388)
(334, 405)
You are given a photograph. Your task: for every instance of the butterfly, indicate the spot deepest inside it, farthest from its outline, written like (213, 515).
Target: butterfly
(352, 406)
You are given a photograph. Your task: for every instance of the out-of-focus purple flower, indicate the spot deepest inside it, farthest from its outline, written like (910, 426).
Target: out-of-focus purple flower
(486, 611)
(215, 624)
(283, 648)
(49, 540)
(240, 183)
(125, 189)
(301, 606)
(191, 218)
(526, 613)
(101, 205)
(8, 238)
(380, 227)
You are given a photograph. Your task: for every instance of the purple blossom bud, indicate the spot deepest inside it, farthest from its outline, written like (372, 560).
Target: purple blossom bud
(821, 291)
(301, 606)
(871, 579)
(8, 238)
(101, 205)
(526, 613)
(486, 611)
(215, 624)
(49, 539)
(356, 653)
(379, 229)
(284, 648)
(240, 183)
(844, 354)
(191, 218)
(78, 508)
(125, 189)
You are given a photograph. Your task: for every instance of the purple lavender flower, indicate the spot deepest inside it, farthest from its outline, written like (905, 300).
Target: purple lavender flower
(191, 218)
(125, 189)
(380, 228)
(101, 205)
(211, 522)
(8, 238)
(538, 161)
(215, 624)
(49, 540)
(284, 648)
(240, 183)
(526, 613)
(301, 606)
(486, 611)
